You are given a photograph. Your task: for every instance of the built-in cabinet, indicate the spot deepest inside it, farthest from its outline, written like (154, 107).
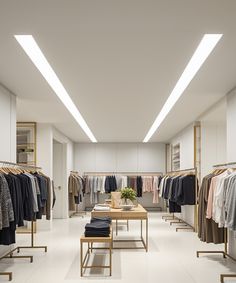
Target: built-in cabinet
(175, 157)
(26, 143)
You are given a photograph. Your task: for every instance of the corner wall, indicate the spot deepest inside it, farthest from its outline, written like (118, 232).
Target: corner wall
(45, 135)
(8, 133)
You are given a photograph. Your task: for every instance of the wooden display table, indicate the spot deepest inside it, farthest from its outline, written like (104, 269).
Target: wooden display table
(137, 213)
(90, 241)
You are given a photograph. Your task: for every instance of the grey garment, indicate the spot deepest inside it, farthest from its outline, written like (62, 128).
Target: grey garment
(6, 208)
(170, 188)
(230, 205)
(35, 201)
(93, 193)
(36, 185)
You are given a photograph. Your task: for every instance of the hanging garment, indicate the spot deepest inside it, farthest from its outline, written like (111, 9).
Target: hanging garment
(147, 183)
(155, 186)
(186, 190)
(208, 230)
(124, 182)
(139, 183)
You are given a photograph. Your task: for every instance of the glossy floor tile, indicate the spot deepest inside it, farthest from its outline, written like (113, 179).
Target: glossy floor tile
(171, 257)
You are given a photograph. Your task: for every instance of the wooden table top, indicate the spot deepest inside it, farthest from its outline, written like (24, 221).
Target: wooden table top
(117, 213)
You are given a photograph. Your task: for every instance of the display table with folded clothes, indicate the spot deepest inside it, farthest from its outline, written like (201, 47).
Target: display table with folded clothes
(98, 231)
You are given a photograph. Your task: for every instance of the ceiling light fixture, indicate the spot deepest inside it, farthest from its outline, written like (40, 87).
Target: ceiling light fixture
(203, 50)
(32, 49)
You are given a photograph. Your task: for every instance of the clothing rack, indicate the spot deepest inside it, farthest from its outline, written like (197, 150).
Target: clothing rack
(175, 220)
(133, 173)
(77, 212)
(32, 246)
(225, 251)
(122, 173)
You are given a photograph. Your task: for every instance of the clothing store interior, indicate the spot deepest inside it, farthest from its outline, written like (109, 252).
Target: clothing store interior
(117, 148)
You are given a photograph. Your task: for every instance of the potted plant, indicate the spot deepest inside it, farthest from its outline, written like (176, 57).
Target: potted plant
(127, 195)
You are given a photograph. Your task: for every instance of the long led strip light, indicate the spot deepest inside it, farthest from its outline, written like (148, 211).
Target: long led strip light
(32, 49)
(203, 50)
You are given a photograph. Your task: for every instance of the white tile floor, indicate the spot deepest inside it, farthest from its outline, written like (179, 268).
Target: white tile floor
(171, 257)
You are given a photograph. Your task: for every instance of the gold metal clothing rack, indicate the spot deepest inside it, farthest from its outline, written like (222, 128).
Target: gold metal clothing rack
(175, 220)
(32, 246)
(225, 251)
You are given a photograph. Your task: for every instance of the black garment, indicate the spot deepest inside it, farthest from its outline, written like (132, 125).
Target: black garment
(139, 186)
(98, 225)
(174, 207)
(99, 219)
(110, 184)
(159, 181)
(186, 190)
(27, 197)
(97, 228)
(8, 235)
(167, 188)
(16, 197)
(96, 234)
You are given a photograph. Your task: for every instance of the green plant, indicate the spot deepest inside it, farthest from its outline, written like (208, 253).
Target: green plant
(128, 193)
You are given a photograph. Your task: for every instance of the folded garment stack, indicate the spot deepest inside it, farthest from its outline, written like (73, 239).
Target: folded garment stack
(98, 227)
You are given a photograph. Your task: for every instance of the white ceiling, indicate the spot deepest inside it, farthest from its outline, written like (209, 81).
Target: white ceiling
(118, 60)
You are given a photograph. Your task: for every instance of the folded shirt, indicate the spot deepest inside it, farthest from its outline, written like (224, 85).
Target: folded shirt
(101, 208)
(96, 234)
(95, 226)
(101, 219)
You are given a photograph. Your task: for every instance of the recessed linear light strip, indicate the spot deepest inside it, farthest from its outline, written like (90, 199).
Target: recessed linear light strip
(32, 49)
(203, 50)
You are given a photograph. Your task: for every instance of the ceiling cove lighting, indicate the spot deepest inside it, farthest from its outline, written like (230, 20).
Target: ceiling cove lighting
(32, 49)
(203, 50)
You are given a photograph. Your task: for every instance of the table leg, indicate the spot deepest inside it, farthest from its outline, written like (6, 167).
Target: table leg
(141, 229)
(116, 227)
(81, 259)
(146, 234)
(110, 263)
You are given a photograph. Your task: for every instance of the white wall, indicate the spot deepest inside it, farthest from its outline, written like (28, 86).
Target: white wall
(68, 164)
(120, 157)
(45, 136)
(231, 151)
(8, 133)
(213, 137)
(7, 125)
(186, 140)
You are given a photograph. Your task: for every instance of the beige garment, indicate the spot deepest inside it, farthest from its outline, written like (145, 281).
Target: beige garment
(147, 184)
(214, 183)
(155, 190)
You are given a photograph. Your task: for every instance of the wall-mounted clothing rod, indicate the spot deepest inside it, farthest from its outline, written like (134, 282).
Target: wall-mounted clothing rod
(225, 164)
(183, 170)
(123, 173)
(19, 165)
